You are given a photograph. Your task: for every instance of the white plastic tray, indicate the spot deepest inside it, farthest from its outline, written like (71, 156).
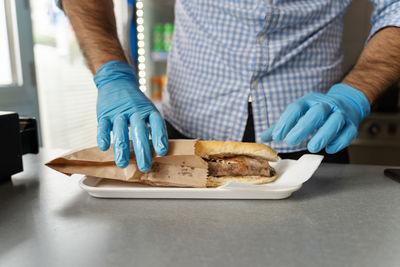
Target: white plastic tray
(292, 175)
(98, 187)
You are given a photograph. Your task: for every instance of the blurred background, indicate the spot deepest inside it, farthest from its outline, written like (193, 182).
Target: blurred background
(44, 75)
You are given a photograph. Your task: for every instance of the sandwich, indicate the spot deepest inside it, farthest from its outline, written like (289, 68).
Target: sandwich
(237, 162)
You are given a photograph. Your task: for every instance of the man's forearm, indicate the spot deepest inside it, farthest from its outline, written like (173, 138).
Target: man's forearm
(379, 64)
(94, 24)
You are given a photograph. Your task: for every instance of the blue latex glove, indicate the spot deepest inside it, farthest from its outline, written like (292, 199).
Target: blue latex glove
(120, 103)
(336, 115)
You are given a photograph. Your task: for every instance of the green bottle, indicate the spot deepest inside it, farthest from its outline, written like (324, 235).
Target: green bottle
(167, 35)
(158, 37)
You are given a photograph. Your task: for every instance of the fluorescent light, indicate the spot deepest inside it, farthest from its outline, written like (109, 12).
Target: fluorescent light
(139, 4)
(140, 28)
(139, 13)
(140, 44)
(139, 20)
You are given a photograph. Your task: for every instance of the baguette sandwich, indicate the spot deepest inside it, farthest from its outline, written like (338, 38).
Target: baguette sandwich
(237, 162)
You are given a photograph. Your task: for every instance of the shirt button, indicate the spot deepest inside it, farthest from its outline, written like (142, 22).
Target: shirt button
(262, 38)
(254, 84)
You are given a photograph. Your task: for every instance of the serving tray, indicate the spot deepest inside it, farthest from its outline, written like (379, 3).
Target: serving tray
(104, 188)
(293, 173)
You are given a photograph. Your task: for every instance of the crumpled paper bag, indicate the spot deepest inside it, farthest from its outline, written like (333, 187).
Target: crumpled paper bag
(180, 167)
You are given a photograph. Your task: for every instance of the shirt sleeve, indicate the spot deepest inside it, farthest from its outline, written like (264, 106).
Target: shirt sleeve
(386, 13)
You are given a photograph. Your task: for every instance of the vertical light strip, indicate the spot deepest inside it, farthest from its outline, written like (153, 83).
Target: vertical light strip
(140, 45)
(13, 41)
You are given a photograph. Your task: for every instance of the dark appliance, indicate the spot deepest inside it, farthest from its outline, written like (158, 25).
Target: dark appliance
(18, 136)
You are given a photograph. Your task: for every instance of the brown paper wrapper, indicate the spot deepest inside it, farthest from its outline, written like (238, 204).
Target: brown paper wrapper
(180, 167)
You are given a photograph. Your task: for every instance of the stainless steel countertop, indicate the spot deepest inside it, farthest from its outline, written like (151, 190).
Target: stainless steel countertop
(346, 215)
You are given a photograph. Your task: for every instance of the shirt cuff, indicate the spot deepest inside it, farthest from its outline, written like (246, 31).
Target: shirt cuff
(385, 16)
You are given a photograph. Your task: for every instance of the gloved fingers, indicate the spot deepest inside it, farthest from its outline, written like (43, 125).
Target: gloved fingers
(141, 143)
(121, 141)
(288, 119)
(103, 134)
(348, 133)
(158, 133)
(266, 136)
(307, 124)
(328, 131)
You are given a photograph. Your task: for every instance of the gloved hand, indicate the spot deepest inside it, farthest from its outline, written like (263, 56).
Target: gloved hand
(336, 115)
(120, 103)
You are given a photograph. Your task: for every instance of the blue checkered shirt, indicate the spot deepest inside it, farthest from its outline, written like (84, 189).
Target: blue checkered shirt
(275, 51)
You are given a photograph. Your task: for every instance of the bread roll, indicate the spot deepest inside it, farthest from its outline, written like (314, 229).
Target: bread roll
(212, 150)
(222, 149)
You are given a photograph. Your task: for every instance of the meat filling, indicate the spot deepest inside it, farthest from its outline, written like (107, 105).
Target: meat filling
(239, 166)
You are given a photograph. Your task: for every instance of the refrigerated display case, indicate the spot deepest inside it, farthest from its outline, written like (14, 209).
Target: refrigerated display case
(154, 28)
